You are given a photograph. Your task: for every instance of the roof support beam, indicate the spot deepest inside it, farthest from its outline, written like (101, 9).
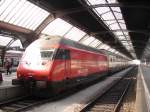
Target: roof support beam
(41, 27)
(25, 35)
(126, 5)
(14, 28)
(146, 32)
(61, 13)
(8, 45)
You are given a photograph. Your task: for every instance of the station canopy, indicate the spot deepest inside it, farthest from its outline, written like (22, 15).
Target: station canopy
(113, 18)
(22, 20)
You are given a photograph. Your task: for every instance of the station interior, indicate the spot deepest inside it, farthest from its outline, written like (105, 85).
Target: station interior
(111, 27)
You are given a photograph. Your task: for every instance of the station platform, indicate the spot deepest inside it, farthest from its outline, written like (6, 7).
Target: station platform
(9, 77)
(2, 69)
(7, 80)
(7, 90)
(143, 90)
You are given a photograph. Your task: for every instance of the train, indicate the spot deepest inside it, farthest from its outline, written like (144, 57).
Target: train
(55, 63)
(13, 56)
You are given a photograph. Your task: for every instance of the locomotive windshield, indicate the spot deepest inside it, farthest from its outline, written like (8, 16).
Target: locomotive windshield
(37, 54)
(46, 54)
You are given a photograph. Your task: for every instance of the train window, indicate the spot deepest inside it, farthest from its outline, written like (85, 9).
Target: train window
(62, 54)
(46, 54)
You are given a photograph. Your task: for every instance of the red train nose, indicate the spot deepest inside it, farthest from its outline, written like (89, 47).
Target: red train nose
(38, 72)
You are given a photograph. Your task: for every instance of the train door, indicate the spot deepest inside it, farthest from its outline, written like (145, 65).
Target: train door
(67, 64)
(67, 69)
(62, 67)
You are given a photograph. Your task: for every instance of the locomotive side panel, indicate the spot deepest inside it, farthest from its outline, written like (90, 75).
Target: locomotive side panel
(87, 63)
(61, 66)
(73, 63)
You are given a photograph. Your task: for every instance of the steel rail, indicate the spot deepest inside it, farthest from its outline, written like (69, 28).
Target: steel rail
(91, 104)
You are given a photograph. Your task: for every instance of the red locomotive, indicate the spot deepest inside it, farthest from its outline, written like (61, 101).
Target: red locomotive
(58, 63)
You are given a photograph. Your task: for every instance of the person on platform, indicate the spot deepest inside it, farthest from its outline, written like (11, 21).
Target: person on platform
(8, 66)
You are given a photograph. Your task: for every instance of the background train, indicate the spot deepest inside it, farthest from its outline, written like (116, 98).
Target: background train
(56, 63)
(13, 56)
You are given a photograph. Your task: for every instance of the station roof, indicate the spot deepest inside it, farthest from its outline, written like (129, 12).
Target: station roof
(136, 15)
(102, 24)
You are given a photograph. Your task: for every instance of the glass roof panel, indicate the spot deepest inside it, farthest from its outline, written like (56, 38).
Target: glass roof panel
(84, 38)
(95, 43)
(102, 46)
(12, 15)
(126, 33)
(121, 21)
(118, 33)
(17, 17)
(117, 9)
(4, 40)
(122, 37)
(75, 34)
(22, 13)
(108, 16)
(118, 15)
(17, 43)
(114, 26)
(4, 4)
(106, 47)
(93, 2)
(102, 10)
(37, 19)
(112, 1)
(57, 27)
(125, 44)
(110, 22)
(88, 40)
(3, 15)
(123, 26)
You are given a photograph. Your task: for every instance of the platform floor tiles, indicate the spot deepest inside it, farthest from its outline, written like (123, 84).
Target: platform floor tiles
(9, 77)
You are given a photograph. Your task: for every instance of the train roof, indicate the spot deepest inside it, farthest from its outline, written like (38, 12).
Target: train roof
(111, 53)
(65, 41)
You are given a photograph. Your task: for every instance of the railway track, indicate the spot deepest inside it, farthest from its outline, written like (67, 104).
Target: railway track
(22, 103)
(112, 99)
(27, 102)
